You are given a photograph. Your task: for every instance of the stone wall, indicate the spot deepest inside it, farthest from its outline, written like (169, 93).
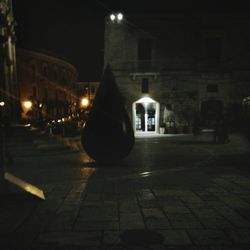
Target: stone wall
(195, 57)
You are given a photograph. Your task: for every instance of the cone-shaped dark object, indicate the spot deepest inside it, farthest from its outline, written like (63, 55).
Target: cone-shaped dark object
(108, 135)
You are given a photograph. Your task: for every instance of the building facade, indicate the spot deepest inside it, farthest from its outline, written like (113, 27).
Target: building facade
(46, 86)
(174, 66)
(9, 91)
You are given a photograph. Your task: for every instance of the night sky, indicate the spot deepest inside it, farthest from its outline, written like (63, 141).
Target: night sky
(74, 30)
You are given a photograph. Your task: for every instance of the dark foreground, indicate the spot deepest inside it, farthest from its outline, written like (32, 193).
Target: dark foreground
(170, 193)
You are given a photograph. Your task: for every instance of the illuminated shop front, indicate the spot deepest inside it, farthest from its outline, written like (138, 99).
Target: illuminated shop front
(146, 115)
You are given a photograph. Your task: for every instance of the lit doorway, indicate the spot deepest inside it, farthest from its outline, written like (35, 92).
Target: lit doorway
(146, 115)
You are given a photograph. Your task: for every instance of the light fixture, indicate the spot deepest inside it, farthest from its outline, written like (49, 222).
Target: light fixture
(119, 16)
(2, 104)
(116, 17)
(146, 99)
(84, 102)
(27, 104)
(112, 17)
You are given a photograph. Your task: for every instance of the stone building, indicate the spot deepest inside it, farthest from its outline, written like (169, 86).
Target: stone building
(173, 66)
(46, 85)
(9, 92)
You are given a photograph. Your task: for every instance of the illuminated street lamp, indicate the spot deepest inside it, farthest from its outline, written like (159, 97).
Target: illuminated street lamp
(84, 102)
(119, 16)
(116, 17)
(112, 17)
(27, 105)
(27, 109)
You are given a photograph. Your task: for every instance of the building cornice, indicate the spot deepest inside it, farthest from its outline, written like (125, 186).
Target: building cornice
(47, 58)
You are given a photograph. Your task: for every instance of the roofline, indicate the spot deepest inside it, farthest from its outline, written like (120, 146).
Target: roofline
(47, 57)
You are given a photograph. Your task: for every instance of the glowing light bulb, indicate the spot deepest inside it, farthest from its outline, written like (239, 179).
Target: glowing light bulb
(112, 17)
(27, 104)
(119, 16)
(84, 102)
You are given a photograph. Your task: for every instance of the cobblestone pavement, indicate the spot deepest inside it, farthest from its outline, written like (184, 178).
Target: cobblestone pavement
(171, 192)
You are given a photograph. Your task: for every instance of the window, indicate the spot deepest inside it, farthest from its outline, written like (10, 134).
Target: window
(33, 68)
(64, 79)
(55, 74)
(144, 49)
(144, 53)
(212, 88)
(45, 70)
(46, 94)
(85, 91)
(34, 92)
(213, 49)
(144, 85)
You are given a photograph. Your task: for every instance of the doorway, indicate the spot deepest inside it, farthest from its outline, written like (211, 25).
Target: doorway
(146, 115)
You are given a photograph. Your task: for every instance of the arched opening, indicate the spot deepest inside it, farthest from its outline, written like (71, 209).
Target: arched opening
(146, 115)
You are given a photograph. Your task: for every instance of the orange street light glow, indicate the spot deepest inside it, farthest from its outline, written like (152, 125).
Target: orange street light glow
(84, 102)
(27, 104)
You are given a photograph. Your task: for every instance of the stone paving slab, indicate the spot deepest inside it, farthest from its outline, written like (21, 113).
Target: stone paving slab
(176, 237)
(204, 205)
(209, 237)
(71, 238)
